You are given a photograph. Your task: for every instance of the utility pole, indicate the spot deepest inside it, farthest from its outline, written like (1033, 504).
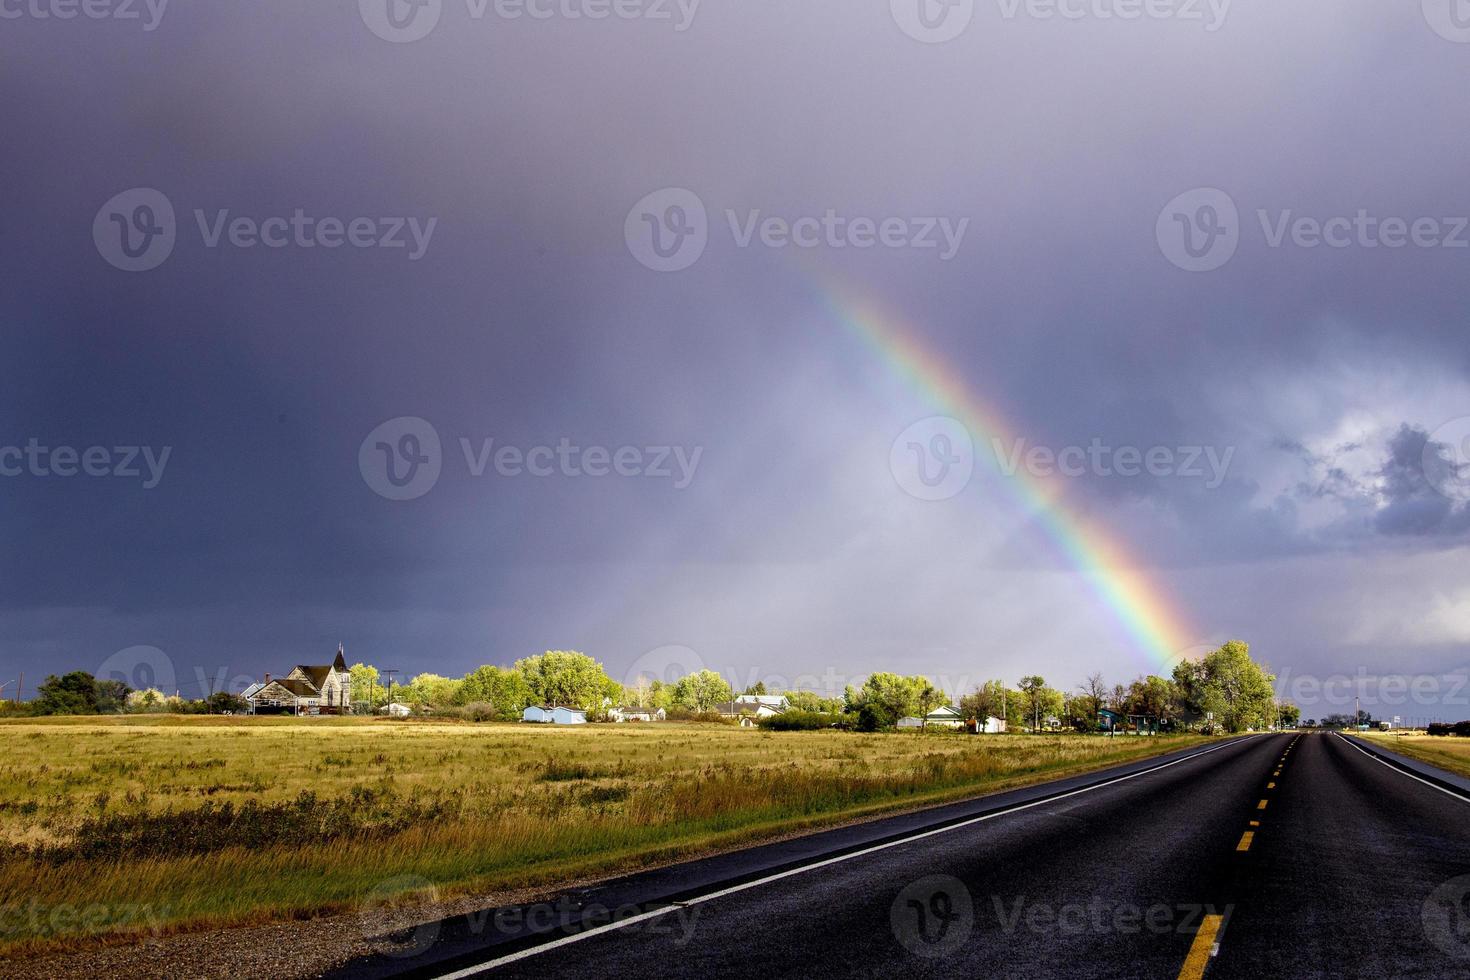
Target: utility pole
(390, 674)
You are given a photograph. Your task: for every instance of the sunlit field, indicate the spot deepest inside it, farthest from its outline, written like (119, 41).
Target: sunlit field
(181, 823)
(1448, 752)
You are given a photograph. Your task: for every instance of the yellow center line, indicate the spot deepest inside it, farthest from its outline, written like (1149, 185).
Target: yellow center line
(1245, 841)
(1270, 785)
(1255, 823)
(1261, 805)
(1199, 952)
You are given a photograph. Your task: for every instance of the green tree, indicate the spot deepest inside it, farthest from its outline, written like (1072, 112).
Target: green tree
(1228, 685)
(505, 689)
(71, 694)
(1033, 693)
(894, 695)
(566, 678)
(1094, 693)
(366, 687)
(701, 691)
(429, 691)
(927, 697)
(813, 702)
(993, 700)
(223, 702)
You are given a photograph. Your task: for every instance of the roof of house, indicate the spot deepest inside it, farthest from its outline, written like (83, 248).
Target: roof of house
(744, 707)
(300, 688)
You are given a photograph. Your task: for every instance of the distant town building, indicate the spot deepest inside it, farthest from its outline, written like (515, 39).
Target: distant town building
(635, 713)
(306, 690)
(554, 715)
(941, 717)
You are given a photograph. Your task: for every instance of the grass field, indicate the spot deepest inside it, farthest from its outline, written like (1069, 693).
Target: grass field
(124, 825)
(1445, 751)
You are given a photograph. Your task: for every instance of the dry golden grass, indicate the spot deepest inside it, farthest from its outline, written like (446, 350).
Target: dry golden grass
(179, 823)
(1448, 752)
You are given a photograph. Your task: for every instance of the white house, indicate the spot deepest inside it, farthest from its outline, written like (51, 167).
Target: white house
(635, 713)
(765, 707)
(776, 702)
(941, 717)
(554, 715)
(991, 726)
(307, 689)
(396, 709)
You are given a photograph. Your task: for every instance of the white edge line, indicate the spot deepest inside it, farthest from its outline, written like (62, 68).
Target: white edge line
(1403, 772)
(485, 967)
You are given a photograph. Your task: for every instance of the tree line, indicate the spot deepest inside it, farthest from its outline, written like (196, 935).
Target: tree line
(1225, 690)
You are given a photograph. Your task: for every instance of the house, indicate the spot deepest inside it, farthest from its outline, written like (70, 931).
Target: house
(306, 690)
(766, 707)
(635, 713)
(989, 725)
(941, 717)
(554, 715)
(776, 702)
(396, 709)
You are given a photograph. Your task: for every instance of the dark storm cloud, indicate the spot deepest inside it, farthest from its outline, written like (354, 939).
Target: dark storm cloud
(527, 321)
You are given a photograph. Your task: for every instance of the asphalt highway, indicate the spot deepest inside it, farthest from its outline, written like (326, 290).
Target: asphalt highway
(1269, 856)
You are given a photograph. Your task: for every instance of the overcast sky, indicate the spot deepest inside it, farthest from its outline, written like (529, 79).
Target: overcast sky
(505, 284)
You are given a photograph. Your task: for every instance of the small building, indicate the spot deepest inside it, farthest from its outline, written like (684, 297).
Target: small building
(989, 725)
(756, 709)
(635, 713)
(941, 717)
(777, 703)
(395, 709)
(554, 715)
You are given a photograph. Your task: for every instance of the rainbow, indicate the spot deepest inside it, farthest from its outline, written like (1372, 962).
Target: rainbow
(1144, 609)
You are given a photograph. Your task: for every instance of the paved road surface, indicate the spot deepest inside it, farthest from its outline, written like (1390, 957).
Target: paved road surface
(1287, 855)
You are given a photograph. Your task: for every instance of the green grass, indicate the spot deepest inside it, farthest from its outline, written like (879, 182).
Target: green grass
(1448, 752)
(187, 823)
